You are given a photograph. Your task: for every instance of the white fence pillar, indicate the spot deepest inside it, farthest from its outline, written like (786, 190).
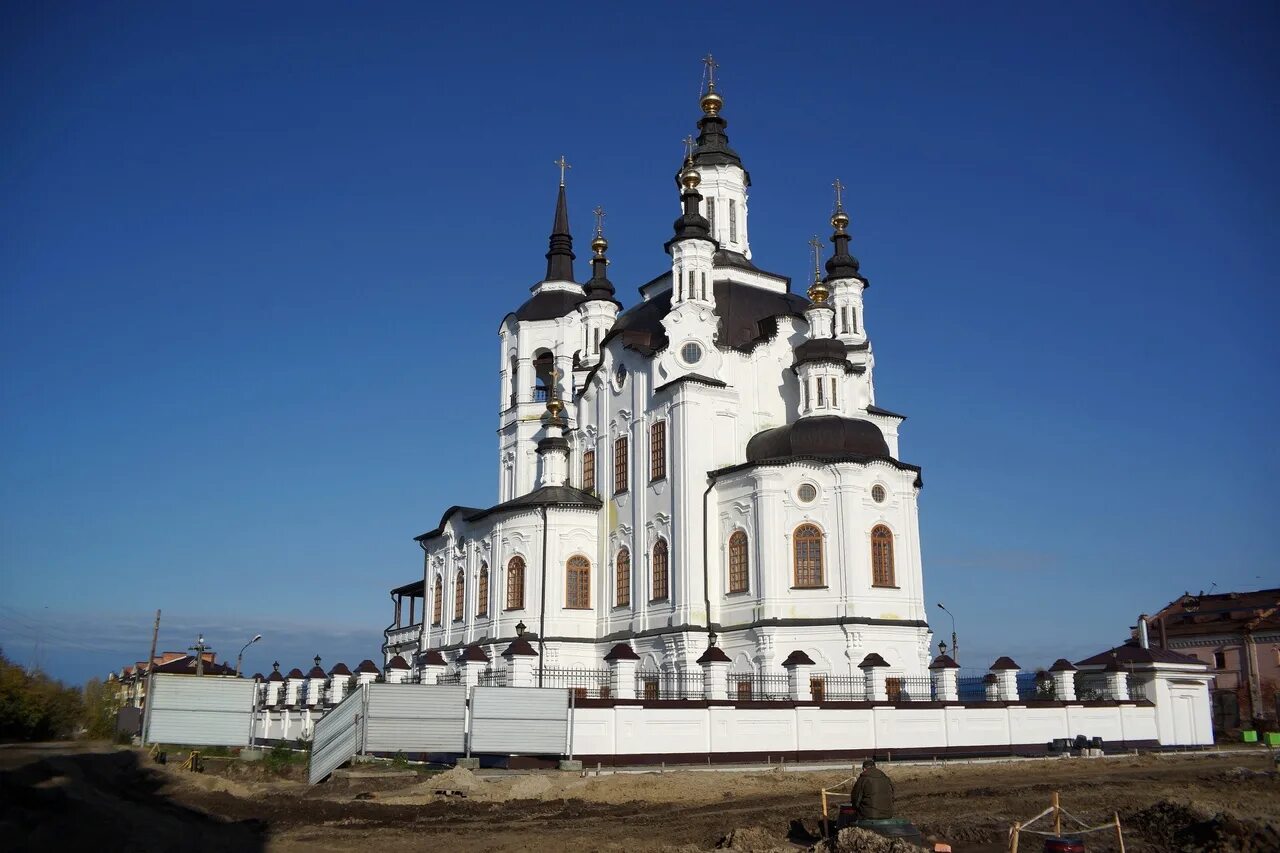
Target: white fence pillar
(875, 670)
(520, 656)
(799, 667)
(715, 673)
(1006, 673)
(339, 683)
(431, 665)
(1117, 681)
(943, 670)
(472, 662)
(398, 670)
(367, 672)
(1064, 680)
(622, 661)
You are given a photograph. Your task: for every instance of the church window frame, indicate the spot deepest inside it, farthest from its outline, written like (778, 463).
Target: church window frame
(739, 562)
(733, 220)
(806, 493)
(661, 563)
(515, 583)
(620, 460)
(459, 596)
(878, 493)
(822, 403)
(482, 591)
(834, 383)
(577, 583)
(589, 471)
(809, 569)
(844, 319)
(704, 286)
(853, 318)
(882, 568)
(658, 451)
(437, 602)
(711, 216)
(622, 578)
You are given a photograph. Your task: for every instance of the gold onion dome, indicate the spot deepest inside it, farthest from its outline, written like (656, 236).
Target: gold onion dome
(690, 178)
(818, 292)
(711, 103)
(555, 407)
(839, 220)
(599, 244)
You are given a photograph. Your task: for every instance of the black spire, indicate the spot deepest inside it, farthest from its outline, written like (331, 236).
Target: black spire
(599, 287)
(712, 147)
(842, 264)
(691, 225)
(560, 255)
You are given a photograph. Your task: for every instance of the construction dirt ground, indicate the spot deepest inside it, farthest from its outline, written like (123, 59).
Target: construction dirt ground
(78, 797)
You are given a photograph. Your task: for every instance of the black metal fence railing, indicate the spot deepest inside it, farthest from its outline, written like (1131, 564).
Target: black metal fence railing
(493, 678)
(454, 677)
(759, 686)
(838, 688)
(585, 683)
(1137, 690)
(900, 688)
(655, 684)
(971, 688)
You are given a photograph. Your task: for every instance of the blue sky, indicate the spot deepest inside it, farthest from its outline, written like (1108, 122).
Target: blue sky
(253, 260)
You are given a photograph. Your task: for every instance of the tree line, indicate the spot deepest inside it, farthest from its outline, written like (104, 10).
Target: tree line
(34, 706)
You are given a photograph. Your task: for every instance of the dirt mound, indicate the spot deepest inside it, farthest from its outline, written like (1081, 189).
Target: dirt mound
(457, 779)
(532, 787)
(754, 839)
(854, 840)
(1179, 828)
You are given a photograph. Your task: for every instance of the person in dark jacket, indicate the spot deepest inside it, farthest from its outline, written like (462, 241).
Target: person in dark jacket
(872, 793)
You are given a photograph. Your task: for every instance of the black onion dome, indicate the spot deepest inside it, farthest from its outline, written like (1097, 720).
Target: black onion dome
(712, 146)
(843, 264)
(822, 349)
(818, 436)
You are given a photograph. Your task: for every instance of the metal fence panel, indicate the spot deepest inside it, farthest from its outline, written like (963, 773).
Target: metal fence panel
(337, 736)
(527, 720)
(200, 710)
(417, 718)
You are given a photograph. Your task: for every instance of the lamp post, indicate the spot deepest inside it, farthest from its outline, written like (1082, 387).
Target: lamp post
(240, 657)
(955, 644)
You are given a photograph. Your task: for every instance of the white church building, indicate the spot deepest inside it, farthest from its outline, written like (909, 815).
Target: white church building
(707, 467)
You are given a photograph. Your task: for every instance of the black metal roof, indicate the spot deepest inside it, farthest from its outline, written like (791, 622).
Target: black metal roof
(562, 496)
(817, 436)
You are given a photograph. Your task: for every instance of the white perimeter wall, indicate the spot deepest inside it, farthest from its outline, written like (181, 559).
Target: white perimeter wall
(635, 730)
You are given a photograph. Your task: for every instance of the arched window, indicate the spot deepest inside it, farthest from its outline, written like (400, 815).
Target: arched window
(622, 578)
(589, 471)
(543, 371)
(482, 591)
(808, 553)
(437, 596)
(515, 584)
(882, 556)
(660, 587)
(459, 601)
(738, 565)
(577, 583)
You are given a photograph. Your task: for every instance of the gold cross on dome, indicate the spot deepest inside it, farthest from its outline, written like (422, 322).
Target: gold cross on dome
(839, 189)
(816, 245)
(563, 164)
(710, 62)
(600, 215)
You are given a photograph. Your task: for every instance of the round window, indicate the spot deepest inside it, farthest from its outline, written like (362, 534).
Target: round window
(620, 375)
(691, 353)
(806, 493)
(877, 493)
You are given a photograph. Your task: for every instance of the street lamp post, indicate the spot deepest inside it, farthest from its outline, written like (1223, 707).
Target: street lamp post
(240, 657)
(955, 644)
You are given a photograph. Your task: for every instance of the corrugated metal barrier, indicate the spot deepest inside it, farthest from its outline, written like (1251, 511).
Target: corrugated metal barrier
(337, 735)
(416, 718)
(527, 720)
(199, 711)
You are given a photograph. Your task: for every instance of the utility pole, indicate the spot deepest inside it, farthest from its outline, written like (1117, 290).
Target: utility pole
(151, 659)
(199, 648)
